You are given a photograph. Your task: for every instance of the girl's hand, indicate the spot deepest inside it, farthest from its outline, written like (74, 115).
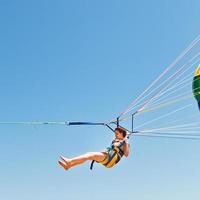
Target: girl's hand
(126, 140)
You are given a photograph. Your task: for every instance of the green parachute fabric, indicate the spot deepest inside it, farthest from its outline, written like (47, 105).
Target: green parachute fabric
(196, 85)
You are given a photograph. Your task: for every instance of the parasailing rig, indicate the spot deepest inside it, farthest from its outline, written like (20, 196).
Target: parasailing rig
(171, 95)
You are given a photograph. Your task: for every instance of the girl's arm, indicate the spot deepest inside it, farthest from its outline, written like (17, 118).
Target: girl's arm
(126, 148)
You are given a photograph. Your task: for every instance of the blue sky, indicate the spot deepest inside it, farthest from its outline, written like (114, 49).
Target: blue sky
(86, 60)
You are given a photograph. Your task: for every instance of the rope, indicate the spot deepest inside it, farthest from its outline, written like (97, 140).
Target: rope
(53, 123)
(196, 132)
(163, 116)
(160, 91)
(33, 123)
(185, 52)
(192, 62)
(175, 127)
(180, 120)
(165, 94)
(170, 80)
(166, 104)
(186, 137)
(186, 94)
(130, 115)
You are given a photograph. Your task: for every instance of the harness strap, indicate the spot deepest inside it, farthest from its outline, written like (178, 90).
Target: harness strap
(117, 151)
(92, 163)
(111, 156)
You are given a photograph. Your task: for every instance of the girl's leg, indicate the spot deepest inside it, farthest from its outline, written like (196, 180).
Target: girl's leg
(69, 163)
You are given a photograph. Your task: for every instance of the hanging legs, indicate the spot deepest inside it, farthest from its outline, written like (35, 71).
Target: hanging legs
(67, 163)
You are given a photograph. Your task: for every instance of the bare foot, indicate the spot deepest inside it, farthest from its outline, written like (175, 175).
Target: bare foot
(66, 160)
(63, 164)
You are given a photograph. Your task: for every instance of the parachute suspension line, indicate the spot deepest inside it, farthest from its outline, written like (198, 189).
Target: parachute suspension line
(167, 103)
(183, 83)
(165, 94)
(186, 83)
(167, 136)
(169, 98)
(184, 53)
(173, 77)
(163, 103)
(160, 91)
(176, 99)
(185, 67)
(193, 124)
(159, 106)
(179, 120)
(176, 85)
(177, 77)
(191, 63)
(187, 130)
(182, 132)
(173, 131)
(164, 116)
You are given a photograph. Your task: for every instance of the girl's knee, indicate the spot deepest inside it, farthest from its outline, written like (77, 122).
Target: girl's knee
(90, 155)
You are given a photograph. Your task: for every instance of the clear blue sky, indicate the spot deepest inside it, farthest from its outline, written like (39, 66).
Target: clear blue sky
(86, 60)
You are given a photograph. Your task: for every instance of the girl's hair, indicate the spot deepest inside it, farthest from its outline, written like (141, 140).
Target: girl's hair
(121, 130)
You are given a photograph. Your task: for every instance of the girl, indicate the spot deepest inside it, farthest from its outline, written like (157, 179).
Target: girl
(108, 158)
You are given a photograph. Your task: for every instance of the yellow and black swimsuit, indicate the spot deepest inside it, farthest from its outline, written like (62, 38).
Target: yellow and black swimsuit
(113, 154)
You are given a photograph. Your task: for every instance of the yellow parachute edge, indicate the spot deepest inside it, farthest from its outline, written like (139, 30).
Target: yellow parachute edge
(197, 73)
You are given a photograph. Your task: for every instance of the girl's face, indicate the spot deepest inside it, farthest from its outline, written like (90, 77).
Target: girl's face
(119, 135)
